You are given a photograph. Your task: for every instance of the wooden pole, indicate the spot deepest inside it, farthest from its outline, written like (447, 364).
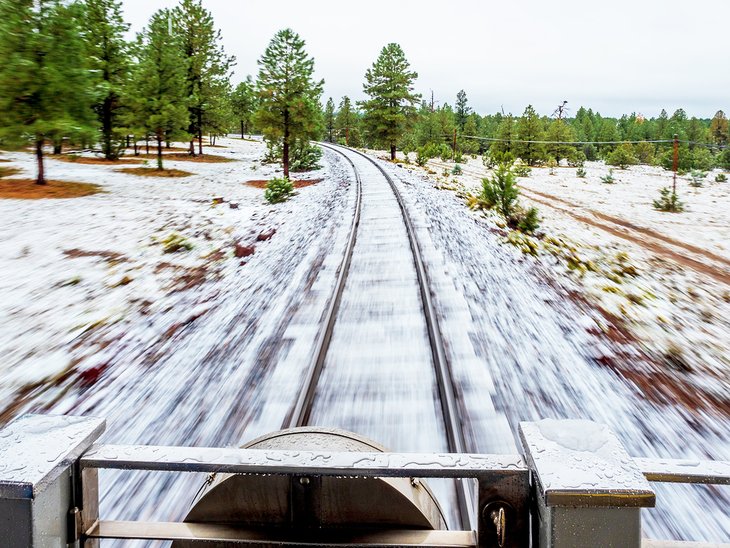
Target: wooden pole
(453, 157)
(675, 163)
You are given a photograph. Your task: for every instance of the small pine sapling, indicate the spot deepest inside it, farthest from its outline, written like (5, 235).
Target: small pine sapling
(697, 177)
(501, 191)
(526, 220)
(580, 173)
(552, 164)
(668, 201)
(608, 179)
(457, 170)
(278, 190)
(720, 178)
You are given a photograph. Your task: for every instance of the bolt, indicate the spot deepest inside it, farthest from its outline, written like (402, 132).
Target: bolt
(304, 481)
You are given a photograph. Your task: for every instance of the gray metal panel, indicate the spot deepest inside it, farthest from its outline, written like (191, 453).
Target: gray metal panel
(253, 461)
(36, 449)
(580, 463)
(685, 471)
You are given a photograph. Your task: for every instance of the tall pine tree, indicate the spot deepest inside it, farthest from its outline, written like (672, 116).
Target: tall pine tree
(159, 104)
(45, 90)
(243, 102)
(346, 121)
(109, 60)
(391, 109)
(289, 109)
(529, 129)
(208, 67)
(329, 119)
(462, 110)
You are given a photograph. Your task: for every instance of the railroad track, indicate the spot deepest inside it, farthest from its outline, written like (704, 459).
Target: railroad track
(332, 351)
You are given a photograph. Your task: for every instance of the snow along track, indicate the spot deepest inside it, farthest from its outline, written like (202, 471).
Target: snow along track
(381, 340)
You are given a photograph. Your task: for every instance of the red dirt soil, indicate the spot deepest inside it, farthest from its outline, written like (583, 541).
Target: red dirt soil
(27, 189)
(154, 172)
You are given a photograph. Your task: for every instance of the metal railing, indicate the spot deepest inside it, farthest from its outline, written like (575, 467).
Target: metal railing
(575, 486)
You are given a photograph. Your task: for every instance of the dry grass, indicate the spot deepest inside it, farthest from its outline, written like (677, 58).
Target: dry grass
(27, 189)
(261, 183)
(85, 160)
(154, 172)
(8, 171)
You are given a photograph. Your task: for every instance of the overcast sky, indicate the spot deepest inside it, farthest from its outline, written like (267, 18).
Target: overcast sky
(616, 56)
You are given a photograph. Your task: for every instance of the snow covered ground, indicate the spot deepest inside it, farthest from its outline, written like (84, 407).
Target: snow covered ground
(204, 347)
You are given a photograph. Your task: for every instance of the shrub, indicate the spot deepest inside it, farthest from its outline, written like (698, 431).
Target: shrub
(526, 220)
(500, 191)
(720, 178)
(702, 159)
(644, 153)
(590, 152)
(457, 170)
(723, 160)
(458, 157)
(622, 157)
(521, 170)
(552, 164)
(174, 243)
(445, 153)
(421, 157)
(580, 172)
(697, 177)
(278, 190)
(305, 156)
(576, 158)
(668, 201)
(608, 179)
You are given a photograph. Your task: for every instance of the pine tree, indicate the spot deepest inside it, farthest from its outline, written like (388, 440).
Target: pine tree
(159, 104)
(391, 109)
(243, 102)
(719, 128)
(506, 134)
(288, 95)
(109, 60)
(530, 128)
(329, 119)
(208, 67)
(560, 132)
(346, 120)
(461, 111)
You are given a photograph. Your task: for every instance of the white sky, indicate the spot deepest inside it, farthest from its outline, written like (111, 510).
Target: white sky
(616, 56)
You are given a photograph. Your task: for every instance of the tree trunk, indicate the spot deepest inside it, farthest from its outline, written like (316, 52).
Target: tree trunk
(41, 179)
(128, 141)
(192, 147)
(159, 152)
(58, 147)
(136, 150)
(241, 129)
(107, 129)
(285, 147)
(200, 131)
(147, 145)
(392, 151)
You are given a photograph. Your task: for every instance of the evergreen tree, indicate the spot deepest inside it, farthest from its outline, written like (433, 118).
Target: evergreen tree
(45, 89)
(390, 111)
(288, 95)
(462, 111)
(243, 103)
(109, 60)
(159, 103)
(719, 129)
(208, 67)
(530, 128)
(346, 121)
(329, 119)
(560, 132)
(506, 134)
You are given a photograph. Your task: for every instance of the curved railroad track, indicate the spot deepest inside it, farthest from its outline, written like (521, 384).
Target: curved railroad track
(302, 412)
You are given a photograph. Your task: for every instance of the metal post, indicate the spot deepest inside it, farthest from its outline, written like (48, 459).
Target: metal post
(39, 506)
(588, 491)
(675, 164)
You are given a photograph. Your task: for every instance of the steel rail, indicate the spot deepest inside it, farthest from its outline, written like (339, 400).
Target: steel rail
(301, 412)
(444, 376)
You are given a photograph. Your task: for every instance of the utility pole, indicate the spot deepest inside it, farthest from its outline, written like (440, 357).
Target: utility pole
(675, 163)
